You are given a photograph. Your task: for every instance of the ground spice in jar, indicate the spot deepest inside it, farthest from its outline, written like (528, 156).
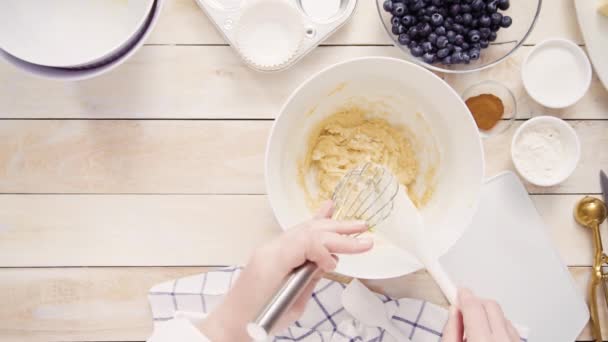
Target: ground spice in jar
(487, 110)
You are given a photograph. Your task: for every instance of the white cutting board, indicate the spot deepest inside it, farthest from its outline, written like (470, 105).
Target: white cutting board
(595, 32)
(508, 255)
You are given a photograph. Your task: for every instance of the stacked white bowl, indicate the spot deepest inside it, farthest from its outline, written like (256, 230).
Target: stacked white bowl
(73, 39)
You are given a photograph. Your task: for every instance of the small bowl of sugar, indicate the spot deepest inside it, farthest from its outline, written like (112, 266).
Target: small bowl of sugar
(545, 150)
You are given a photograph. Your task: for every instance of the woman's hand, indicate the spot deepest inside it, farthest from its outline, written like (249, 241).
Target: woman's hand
(316, 240)
(480, 320)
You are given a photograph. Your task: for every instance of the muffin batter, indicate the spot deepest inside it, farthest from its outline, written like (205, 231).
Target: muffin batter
(348, 138)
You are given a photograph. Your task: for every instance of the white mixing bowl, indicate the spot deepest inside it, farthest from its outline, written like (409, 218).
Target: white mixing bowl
(69, 33)
(94, 70)
(444, 128)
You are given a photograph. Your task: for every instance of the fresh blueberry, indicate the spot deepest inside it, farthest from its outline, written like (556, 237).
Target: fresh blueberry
(474, 53)
(496, 18)
(504, 4)
(491, 7)
(475, 46)
(440, 31)
(432, 38)
(426, 19)
(427, 46)
(457, 49)
(475, 23)
(492, 37)
(417, 51)
(436, 19)
(465, 8)
(426, 30)
(417, 5)
(467, 18)
(484, 43)
(398, 9)
(458, 28)
(457, 57)
(388, 6)
(506, 21)
(465, 46)
(395, 21)
(429, 58)
(408, 20)
(441, 53)
(412, 32)
(398, 29)
(495, 28)
(447, 60)
(458, 19)
(451, 35)
(474, 36)
(431, 10)
(455, 9)
(466, 57)
(437, 2)
(412, 44)
(484, 32)
(478, 5)
(404, 39)
(442, 42)
(459, 40)
(485, 21)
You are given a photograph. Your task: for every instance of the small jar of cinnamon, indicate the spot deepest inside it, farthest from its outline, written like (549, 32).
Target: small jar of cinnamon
(492, 106)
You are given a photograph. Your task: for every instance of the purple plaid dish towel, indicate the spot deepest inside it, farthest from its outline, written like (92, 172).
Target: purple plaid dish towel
(324, 319)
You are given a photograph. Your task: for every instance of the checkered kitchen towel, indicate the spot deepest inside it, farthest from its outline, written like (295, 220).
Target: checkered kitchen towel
(324, 318)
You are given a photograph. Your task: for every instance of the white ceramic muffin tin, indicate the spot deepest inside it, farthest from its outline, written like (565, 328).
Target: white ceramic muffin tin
(271, 35)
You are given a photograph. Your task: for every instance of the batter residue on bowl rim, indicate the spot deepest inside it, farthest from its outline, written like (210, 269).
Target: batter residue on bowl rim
(349, 138)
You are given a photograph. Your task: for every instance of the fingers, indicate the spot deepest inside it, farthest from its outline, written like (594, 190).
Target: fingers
(453, 330)
(513, 334)
(496, 319)
(340, 227)
(321, 246)
(342, 244)
(474, 316)
(325, 211)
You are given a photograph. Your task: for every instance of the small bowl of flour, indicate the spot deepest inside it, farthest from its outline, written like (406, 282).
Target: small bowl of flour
(545, 150)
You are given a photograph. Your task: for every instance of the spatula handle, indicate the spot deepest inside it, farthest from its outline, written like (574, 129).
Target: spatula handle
(282, 301)
(442, 279)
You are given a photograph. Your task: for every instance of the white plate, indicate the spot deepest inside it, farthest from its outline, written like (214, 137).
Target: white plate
(595, 32)
(69, 33)
(75, 74)
(404, 89)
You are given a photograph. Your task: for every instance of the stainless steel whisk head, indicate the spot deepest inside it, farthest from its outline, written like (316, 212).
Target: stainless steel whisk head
(365, 193)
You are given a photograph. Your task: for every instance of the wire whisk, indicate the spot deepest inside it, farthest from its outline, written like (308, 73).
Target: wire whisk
(364, 193)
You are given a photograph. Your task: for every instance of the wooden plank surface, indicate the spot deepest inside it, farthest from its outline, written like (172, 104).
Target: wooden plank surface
(164, 192)
(183, 230)
(109, 304)
(183, 22)
(211, 82)
(83, 156)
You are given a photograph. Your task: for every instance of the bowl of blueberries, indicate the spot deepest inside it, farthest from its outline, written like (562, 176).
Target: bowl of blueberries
(458, 36)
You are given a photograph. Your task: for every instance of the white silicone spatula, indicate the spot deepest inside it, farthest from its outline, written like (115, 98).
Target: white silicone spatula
(407, 231)
(363, 305)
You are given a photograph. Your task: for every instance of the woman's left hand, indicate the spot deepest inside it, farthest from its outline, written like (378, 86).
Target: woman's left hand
(316, 240)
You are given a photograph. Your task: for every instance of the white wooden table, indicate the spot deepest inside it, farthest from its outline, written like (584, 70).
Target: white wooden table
(155, 171)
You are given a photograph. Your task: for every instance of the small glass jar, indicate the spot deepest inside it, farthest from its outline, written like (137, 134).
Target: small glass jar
(505, 95)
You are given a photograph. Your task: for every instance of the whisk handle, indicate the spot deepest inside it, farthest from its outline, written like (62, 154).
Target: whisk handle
(282, 301)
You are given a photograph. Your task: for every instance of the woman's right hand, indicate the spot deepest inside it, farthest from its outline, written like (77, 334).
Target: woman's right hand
(479, 319)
